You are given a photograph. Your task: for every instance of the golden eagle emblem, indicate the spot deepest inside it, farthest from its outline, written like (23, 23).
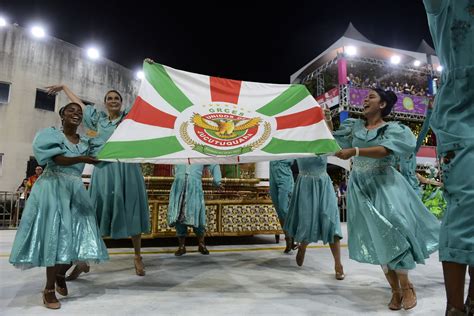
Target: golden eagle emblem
(225, 128)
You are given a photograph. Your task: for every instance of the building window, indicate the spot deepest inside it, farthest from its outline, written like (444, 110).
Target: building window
(4, 92)
(45, 101)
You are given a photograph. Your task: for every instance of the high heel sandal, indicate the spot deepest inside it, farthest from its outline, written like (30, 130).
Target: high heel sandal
(61, 290)
(410, 304)
(55, 304)
(139, 266)
(78, 269)
(396, 301)
(339, 272)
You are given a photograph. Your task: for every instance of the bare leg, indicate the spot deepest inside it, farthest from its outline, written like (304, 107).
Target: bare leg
(137, 246)
(301, 253)
(290, 244)
(336, 253)
(396, 301)
(49, 295)
(61, 278)
(454, 278)
(408, 292)
(50, 277)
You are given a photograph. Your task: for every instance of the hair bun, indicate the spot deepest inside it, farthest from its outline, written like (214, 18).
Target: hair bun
(391, 98)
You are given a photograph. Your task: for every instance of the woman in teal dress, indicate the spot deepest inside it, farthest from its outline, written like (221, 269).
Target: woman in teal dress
(117, 189)
(388, 224)
(58, 226)
(186, 204)
(281, 187)
(313, 214)
(451, 24)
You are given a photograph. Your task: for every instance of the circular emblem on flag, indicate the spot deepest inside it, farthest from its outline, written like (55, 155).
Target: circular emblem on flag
(223, 129)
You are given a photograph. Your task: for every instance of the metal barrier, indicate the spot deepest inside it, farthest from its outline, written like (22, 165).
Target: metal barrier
(9, 209)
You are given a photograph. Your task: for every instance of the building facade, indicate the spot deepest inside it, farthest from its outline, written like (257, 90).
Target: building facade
(27, 66)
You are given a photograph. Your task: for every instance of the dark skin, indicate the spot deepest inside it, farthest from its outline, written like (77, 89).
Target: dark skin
(71, 119)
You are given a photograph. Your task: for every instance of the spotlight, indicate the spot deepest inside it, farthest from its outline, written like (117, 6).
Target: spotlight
(439, 68)
(416, 63)
(395, 59)
(38, 31)
(351, 50)
(93, 53)
(140, 75)
(3, 21)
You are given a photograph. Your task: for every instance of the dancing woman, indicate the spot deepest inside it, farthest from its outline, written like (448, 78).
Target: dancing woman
(388, 224)
(58, 226)
(117, 189)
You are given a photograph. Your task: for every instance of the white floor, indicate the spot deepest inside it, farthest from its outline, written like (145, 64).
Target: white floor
(252, 279)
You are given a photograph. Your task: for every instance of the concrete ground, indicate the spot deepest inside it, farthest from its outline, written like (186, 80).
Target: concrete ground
(248, 276)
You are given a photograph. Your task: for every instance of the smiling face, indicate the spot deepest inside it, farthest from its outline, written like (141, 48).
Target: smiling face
(373, 104)
(113, 102)
(72, 115)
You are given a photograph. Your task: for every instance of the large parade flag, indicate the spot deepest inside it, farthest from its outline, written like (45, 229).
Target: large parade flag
(182, 117)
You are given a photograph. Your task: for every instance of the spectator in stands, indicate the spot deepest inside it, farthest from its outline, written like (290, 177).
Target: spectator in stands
(31, 180)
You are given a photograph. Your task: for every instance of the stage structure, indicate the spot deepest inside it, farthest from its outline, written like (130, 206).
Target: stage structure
(340, 78)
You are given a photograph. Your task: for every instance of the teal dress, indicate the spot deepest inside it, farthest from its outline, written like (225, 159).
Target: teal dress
(117, 189)
(58, 225)
(452, 29)
(387, 221)
(313, 214)
(186, 205)
(407, 167)
(407, 163)
(281, 185)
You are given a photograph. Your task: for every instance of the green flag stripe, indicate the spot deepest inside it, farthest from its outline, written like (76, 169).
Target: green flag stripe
(290, 97)
(148, 148)
(160, 80)
(320, 146)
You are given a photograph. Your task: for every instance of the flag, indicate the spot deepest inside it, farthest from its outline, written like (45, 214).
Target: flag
(182, 117)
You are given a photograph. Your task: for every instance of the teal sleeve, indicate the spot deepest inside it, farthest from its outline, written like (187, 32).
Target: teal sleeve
(91, 117)
(399, 139)
(216, 174)
(343, 135)
(424, 130)
(48, 144)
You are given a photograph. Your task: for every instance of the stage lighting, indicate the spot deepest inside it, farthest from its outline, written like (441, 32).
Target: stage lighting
(140, 75)
(395, 59)
(38, 31)
(3, 21)
(351, 50)
(416, 63)
(93, 53)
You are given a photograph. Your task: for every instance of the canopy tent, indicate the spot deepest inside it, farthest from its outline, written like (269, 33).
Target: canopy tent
(366, 48)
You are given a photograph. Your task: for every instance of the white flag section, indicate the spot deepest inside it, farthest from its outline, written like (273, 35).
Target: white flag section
(181, 118)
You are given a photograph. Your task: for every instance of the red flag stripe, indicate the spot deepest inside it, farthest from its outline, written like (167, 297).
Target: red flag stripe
(303, 118)
(144, 113)
(225, 90)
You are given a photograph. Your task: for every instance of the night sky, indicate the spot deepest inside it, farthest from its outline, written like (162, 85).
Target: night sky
(247, 40)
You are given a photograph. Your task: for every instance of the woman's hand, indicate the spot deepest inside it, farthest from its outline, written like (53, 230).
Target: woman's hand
(54, 89)
(345, 153)
(90, 160)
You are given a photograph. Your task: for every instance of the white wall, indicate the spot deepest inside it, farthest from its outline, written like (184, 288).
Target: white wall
(29, 64)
